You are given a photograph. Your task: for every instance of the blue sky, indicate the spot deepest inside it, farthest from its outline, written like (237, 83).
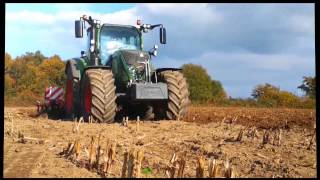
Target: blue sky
(241, 45)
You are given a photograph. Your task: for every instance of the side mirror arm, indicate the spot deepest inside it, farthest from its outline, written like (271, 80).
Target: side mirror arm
(156, 25)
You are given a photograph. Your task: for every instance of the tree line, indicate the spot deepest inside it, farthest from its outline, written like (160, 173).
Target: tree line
(27, 76)
(203, 89)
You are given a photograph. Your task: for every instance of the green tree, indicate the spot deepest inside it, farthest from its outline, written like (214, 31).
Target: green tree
(309, 86)
(263, 90)
(199, 81)
(272, 96)
(34, 58)
(217, 90)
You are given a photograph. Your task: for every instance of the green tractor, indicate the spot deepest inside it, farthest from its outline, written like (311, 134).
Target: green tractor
(115, 78)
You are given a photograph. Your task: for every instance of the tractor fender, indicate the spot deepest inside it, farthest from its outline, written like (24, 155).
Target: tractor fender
(166, 69)
(74, 70)
(97, 67)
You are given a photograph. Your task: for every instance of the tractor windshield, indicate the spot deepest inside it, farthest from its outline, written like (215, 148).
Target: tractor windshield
(113, 38)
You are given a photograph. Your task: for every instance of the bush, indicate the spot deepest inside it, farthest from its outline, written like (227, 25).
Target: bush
(218, 93)
(202, 88)
(271, 96)
(199, 81)
(309, 86)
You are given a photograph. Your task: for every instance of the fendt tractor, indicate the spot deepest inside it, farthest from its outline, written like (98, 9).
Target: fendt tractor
(114, 77)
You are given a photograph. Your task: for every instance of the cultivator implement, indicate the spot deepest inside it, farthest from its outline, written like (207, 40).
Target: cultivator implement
(53, 101)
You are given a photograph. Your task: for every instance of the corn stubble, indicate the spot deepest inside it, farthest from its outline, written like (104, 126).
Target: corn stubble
(131, 167)
(177, 163)
(132, 163)
(109, 157)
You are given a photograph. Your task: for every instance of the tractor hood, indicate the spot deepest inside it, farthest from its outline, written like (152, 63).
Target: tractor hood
(133, 58)
(129, 65)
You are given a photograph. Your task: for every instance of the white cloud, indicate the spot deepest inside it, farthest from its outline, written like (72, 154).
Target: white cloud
(247, 61)
(280, 62)
(190, 14)
(54, 32)
(193, 12)
(29, 18)
(302, 23)
(72, 6)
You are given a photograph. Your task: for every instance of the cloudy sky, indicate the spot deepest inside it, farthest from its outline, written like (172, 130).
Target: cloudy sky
(241, 45)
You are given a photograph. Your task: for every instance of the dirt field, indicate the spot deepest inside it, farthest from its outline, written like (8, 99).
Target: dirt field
(206, 131)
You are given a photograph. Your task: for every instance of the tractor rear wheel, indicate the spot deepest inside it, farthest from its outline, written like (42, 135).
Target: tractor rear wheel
(72, 92)
(98, 98)
(178, 94)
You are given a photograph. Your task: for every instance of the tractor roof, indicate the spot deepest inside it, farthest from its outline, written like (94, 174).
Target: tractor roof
(121, 25)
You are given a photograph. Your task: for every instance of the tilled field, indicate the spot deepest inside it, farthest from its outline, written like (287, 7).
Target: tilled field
(33, 146)
(259, 117)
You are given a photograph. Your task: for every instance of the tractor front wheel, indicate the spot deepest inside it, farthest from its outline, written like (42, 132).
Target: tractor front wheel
(178, 93)
(98, 95)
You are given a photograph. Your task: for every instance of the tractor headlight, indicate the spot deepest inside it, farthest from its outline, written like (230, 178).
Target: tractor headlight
(155, 52)
(91, 48)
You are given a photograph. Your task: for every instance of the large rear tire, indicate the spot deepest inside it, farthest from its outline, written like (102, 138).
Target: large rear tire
(178, 93)
(98, 98)
(72, 91)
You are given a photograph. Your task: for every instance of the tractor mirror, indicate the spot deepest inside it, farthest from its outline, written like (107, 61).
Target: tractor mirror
(78, 29)
(163, 35)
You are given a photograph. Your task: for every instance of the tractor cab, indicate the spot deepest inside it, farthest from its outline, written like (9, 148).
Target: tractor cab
(118, 37)
(104, 40)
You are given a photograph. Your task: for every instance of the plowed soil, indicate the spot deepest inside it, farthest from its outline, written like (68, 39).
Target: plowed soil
(205, 131)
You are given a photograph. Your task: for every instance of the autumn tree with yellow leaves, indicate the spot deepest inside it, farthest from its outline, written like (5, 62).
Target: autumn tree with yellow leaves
(27, 76)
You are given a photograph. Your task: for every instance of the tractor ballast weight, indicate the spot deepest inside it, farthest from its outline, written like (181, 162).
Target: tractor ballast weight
(115, 76)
